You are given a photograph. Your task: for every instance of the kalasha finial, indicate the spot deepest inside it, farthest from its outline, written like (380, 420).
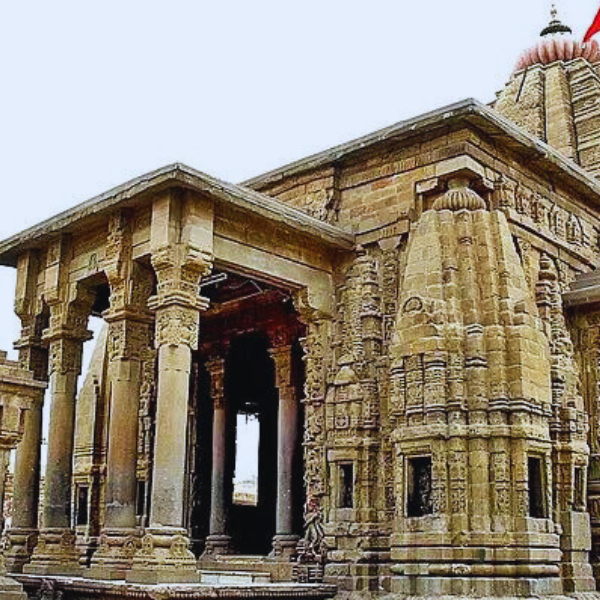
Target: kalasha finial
(555, 26)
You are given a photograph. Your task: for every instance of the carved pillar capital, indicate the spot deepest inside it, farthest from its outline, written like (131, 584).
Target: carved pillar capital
(66, 335)
(177, 302)
(216, 371)
(33, 355)
(282, 359)
(69, 318)
(179, 269)
(65, 356)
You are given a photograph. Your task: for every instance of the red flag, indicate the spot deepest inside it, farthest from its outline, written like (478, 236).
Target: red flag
(593, 30)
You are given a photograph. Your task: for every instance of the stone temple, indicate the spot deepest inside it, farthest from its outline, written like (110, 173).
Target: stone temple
(412, 322)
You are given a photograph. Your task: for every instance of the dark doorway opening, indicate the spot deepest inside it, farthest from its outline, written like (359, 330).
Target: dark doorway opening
(250, 388)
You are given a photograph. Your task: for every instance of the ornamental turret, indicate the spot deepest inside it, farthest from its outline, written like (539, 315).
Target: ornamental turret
(473, 402)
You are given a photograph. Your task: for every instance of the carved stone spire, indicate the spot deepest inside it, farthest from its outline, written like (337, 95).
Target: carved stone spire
(469, 360)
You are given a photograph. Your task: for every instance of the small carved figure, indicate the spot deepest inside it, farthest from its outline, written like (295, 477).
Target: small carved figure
(314, 536)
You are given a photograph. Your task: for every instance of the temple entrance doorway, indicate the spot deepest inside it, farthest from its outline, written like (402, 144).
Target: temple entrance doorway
(245, 415)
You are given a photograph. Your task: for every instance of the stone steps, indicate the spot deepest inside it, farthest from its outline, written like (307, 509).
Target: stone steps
(224, 577)
(249, 564)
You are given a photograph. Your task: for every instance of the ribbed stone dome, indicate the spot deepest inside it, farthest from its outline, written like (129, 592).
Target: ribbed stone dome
(558, 48)
(459, 197)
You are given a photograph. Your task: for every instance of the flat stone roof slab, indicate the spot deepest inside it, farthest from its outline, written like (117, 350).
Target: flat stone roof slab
(179, 174)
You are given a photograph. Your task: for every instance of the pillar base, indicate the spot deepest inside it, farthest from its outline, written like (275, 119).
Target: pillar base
(115, 553)
(285, 547)
(55, 554)
(163, 557)
(21, 545)
(217, 545)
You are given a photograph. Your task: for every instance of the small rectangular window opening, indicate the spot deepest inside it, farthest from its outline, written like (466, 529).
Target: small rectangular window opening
(537, 504)
(419, 496)
(140, 501)
(82, 505)
(347, 485)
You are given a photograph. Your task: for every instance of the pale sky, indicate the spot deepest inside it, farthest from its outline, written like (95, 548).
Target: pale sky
(98, 92)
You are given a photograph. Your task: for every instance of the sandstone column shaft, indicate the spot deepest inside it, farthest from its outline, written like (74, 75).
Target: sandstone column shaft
(4, 458)
(218, 510)
(219, 504)
(59, 469)
(168, 483)
(122, 445)
(287, 446)
(219, 541)
(27, 470)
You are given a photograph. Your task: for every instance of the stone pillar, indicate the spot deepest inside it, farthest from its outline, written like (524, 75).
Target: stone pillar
(219, 541)
(128, 335)
(18, 393)
(181, 236)
(56, 553)
(285, 541)
(9, 588)
(164, 555)
(23, 533)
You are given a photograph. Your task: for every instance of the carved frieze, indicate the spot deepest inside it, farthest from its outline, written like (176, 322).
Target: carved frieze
(65, 356)
(127, 339)
(549, 218)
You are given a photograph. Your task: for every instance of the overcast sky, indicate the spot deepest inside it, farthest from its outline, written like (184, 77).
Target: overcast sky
(95, 93)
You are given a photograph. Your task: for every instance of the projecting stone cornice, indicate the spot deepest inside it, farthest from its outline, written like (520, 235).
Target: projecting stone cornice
(131, 193)
(469, 112)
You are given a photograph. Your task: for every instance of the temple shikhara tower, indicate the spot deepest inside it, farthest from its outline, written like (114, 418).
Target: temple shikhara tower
(373, 372)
